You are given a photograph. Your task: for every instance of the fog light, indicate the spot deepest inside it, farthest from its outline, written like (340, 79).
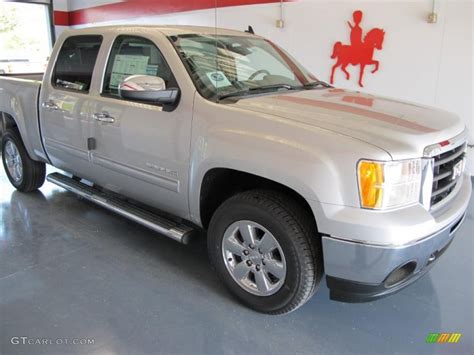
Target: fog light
(400, 274)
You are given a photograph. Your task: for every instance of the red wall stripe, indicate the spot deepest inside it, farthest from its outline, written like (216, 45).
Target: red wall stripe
(61, 18)
(139, 8)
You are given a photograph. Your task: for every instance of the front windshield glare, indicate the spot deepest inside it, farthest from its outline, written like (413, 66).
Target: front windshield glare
(222, 66)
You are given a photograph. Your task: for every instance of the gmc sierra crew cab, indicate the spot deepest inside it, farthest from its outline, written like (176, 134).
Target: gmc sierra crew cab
(184, 129)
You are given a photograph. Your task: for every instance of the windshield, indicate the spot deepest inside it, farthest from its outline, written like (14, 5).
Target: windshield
(223, 66)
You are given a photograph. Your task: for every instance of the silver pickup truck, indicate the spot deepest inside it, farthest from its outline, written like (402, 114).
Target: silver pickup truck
(184, 129)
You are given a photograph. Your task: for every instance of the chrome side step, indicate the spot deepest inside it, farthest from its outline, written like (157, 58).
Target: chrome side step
(172, 229)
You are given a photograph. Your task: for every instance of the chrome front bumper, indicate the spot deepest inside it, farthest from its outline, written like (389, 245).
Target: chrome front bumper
(357, 271)
(378, 263)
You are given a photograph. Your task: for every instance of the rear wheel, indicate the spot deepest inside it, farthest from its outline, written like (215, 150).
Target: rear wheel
(24, 173)
(266, 250)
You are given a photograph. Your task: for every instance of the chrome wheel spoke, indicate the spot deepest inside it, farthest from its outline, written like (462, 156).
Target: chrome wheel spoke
(247, 232)
(276, 268)
(9, 150)
(10, 162)
(267, 244)
(18, 170)
(262, 281)
(241, 271)
(233, 246)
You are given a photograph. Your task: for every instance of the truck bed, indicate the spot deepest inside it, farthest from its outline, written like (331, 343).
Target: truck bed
(27, 76)
(19, 99)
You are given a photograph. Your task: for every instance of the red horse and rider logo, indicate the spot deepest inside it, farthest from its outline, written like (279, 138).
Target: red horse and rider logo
(359, 52)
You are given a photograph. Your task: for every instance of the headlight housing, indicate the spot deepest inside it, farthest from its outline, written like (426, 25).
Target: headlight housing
(384, 185)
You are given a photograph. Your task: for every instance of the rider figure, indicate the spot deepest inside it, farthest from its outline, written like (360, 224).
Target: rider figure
(356, 30)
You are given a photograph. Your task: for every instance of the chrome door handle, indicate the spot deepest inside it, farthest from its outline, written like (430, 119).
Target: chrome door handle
(50, 105)
(103, 117)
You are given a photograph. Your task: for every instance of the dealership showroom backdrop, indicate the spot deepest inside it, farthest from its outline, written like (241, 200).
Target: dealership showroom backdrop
(326, 146)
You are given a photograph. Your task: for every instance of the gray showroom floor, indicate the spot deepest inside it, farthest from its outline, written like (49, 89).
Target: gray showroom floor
(71, 270)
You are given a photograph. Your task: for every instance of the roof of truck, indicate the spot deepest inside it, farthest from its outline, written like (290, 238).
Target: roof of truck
(168, 30)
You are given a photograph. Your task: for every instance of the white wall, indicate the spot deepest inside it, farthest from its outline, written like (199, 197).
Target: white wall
(61, 5)
(421, 62)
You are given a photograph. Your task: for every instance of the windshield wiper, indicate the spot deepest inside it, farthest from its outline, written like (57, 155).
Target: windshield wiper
(314, 84)
(257, 89)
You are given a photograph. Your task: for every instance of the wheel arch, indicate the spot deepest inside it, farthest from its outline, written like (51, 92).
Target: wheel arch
(8, 121)
(29, 134)
(220, 183)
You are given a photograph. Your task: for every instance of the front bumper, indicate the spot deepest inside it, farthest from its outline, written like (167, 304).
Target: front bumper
(361, 270)
(417, 259)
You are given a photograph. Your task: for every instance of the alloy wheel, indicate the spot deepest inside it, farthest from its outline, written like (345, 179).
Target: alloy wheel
(254, 258)
(13, 161)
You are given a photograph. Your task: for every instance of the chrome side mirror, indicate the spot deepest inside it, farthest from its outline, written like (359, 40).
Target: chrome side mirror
(147, 88)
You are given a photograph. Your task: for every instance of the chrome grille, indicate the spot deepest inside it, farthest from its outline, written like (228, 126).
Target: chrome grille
(443, 172)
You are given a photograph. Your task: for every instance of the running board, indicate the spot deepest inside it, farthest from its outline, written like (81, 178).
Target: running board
(172, 229)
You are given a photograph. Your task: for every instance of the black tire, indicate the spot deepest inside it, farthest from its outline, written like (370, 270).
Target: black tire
(293, 228)
(34, 172)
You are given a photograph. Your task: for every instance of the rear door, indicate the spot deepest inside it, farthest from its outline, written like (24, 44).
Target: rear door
(65, 104)
(142, 149)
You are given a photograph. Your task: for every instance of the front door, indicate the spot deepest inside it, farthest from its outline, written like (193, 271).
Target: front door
(143, 150)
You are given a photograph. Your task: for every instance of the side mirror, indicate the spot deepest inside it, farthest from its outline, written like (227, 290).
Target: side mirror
(147, 88)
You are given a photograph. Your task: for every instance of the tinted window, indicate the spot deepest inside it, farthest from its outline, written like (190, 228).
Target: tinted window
(132, 56)
(76, 61)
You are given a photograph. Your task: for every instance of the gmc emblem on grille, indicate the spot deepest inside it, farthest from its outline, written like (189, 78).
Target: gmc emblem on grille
(457, 169)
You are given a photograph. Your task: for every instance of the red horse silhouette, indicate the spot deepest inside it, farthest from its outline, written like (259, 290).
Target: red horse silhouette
(359, 52)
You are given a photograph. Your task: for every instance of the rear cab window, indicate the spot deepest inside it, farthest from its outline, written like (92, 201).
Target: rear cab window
(75, 63)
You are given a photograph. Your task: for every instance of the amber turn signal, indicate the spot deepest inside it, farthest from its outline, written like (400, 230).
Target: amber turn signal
(370, 184)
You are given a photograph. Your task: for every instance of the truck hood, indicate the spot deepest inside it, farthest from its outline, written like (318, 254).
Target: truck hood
(402, 129)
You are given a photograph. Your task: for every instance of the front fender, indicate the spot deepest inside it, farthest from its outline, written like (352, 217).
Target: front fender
(318, 164)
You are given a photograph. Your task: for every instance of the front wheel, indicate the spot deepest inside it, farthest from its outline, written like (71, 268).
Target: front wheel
(24, 173)
(266, 249)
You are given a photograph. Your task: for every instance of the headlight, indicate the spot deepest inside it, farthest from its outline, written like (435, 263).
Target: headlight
(385, 185)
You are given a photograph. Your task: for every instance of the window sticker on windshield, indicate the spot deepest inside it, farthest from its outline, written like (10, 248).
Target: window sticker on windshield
(218, 79)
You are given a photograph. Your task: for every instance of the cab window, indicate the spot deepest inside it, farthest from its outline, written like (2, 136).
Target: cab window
(75, 63)
(132, 55)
